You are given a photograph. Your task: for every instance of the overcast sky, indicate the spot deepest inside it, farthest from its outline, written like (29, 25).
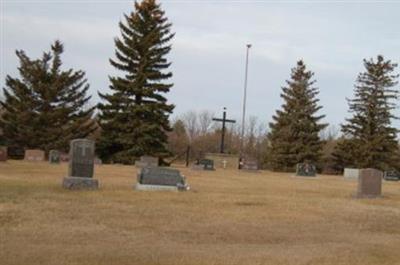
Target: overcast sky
(208, 52)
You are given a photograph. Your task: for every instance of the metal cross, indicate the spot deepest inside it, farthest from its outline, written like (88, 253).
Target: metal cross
(223, 120)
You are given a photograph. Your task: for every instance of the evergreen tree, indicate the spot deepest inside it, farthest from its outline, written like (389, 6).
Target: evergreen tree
(45, 107)
(134, 117)
(294, 135)
(370, 137)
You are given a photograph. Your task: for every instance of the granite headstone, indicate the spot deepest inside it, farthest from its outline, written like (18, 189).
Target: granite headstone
(54, 157)
(391, 175)
(81, 165)
(249, 165)
(369, 183)
(147, 161)
(34, 155)
(306, 170)
(160, 178)
(351, 173)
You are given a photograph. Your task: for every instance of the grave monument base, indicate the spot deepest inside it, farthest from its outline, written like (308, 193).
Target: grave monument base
(78, 183)
(155, 187)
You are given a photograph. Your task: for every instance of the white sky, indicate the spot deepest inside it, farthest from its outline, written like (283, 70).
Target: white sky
(208, 55)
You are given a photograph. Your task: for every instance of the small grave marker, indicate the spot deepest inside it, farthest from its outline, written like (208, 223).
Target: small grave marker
(204, 164)
(147, 161)
(34, 155)
(391, 175)
(249, 165)
(306, 170)
(54, 157)
(351, 173)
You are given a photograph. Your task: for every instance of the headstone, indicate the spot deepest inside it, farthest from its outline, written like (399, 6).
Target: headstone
(369, 183)
(98, 161)
(81, 165)
(249, 165)
(160, 178)
(54, 157)
(147, 161)
(224, 161)
(3, 153)
(306, 170)
(64, 157)
(351, 173)
(208, 164)
(34, 155)
(391, 175)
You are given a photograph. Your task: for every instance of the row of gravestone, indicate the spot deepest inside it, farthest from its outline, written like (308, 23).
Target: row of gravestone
(389, 175)
(369, 180)
(208, 164)
(37, 155)
(150, 177)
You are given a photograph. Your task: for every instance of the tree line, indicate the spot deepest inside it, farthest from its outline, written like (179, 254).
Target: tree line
(46, 106)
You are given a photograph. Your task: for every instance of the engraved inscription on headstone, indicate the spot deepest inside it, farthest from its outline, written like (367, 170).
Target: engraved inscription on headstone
(54, 156)
(369, 183)
(3, 153)
(158, 178)
(306, 170)
(81, 165)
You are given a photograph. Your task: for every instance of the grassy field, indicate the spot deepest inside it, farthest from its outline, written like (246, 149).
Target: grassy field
(227, 218)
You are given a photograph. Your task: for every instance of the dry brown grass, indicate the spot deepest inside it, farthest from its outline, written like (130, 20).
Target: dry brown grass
(227, 218)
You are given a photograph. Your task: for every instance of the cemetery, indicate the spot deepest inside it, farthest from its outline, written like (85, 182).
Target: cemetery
(135, 159)
(227, 217)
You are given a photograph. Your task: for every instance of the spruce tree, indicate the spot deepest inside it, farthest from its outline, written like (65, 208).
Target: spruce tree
(294, 136)
(45, 107)
(370, 139)
(134, 117)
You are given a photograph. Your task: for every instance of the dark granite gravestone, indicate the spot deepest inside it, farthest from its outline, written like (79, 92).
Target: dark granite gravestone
(391, 175)
(249, 165)
(306, 170)
(369, 183)
(81, 165)
(207, 164)
(54, 157)
(3, 153)
(147, 161)
(160, 178)
(34, 155)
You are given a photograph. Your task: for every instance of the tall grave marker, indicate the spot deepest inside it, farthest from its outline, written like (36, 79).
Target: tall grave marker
(81, 165)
